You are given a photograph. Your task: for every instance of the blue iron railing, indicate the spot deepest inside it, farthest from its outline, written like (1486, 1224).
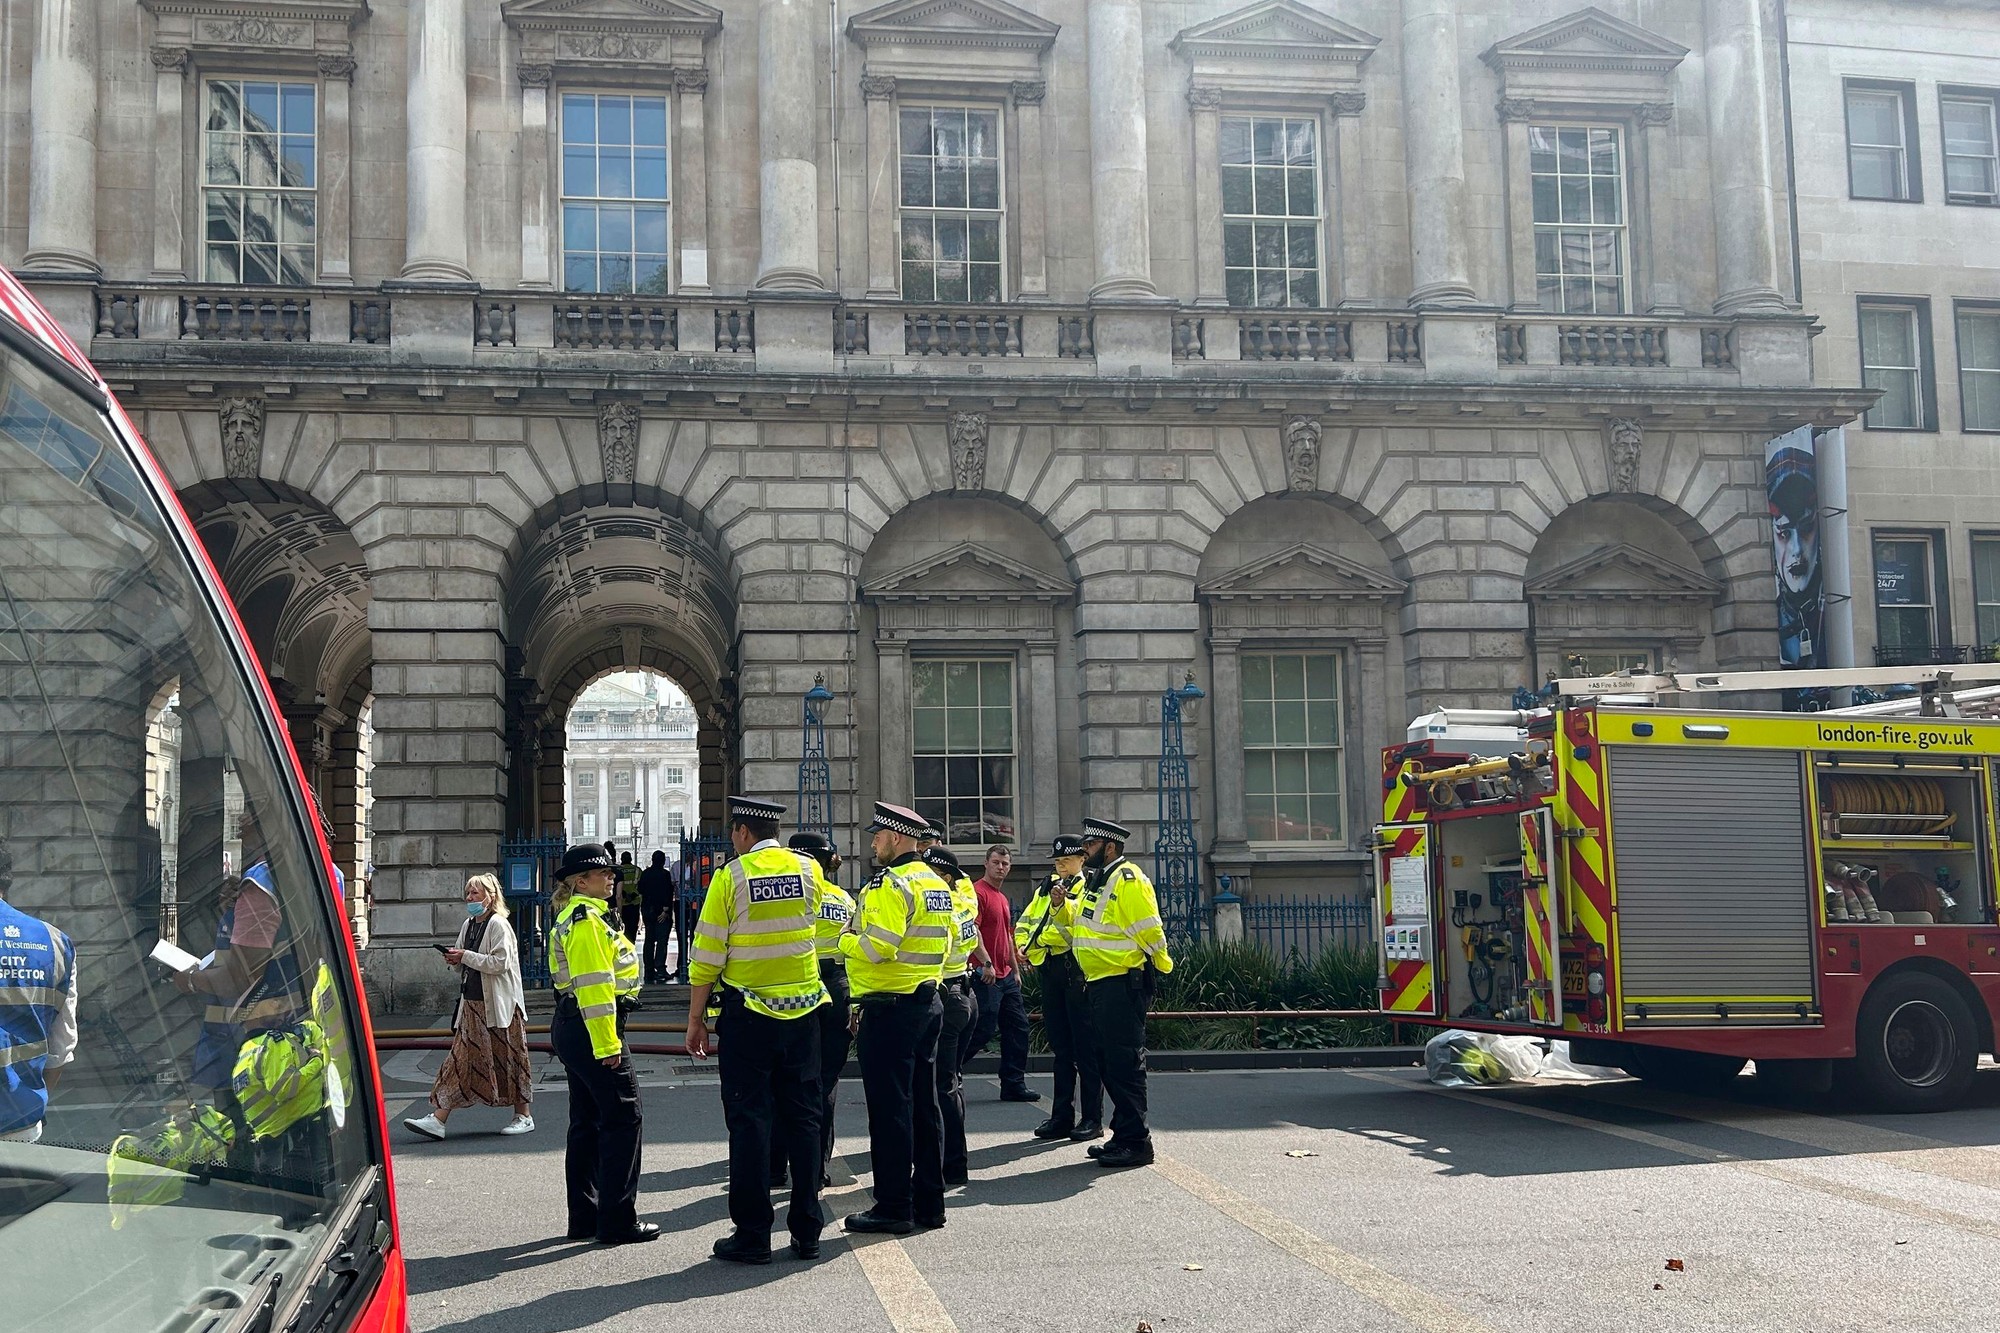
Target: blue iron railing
(1308, 926)
(1176, 854)
(702, 854)
(529, 909)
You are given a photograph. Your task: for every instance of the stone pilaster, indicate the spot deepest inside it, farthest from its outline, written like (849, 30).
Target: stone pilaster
(336, 195)
(170, 128)
(1434, 154)
(1210, 285)
(1742, 154)
(1032, 227)
(884, 278)
(1120, 193)
(691, 204)
(62, 146)
(1357, 255)
(537, 209)
(788, 146)
(435, 250)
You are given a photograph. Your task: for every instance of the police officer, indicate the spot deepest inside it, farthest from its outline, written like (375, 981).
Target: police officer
(1119, 944)
(755, 938)
(1043, 936)
(961, 1005)
(37, 1013)
(895, 953)
(595, 971)
(836, 911)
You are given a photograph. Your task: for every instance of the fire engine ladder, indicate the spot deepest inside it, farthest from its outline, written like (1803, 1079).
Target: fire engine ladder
(1937, 685)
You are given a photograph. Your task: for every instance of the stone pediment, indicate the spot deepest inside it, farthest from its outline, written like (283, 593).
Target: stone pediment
(968, 572)
(638, 17)
(610, 36)
(1624, 571)
(1304, 573)
(280, 28)
(1588, 59)
(953, 23)
(1276, 30)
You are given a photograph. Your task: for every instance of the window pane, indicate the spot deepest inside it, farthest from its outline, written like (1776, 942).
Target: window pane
(996, 730)
(951, 186)
(1322, 723)
(1323, 772)
(614, 229)
(614, 120)
(928, 725)
(1236, 191)
(224, 215)
(1301, 141)
(579, 114)
(983, 237)
(1604, 200)
(1898, 407)
(649, 121)
(1604, 153)
(579, 272)
(951, 238)
(222, 265)
(1288, 718)
(962, 730)
(1288, 677)
(260, 159)
(1302, 247)
(984, 184)
(260, 264)
(260, 107)
(1270, 191)
(1256, 677)
(649, 230)
(1241, 286)
(1979, 340)
(1874, 118)
(296, 167)
(917, 182)
(1969, 176)
(1288, 771)
(260, 217)
(1888, 337)
(614, 272)
(927, 684)
(1235, 140)
(1982, 399)
(295, 265)
(929, 783)
(296, 109)
(1257, 774)
(296, 220)
(1573, 151)
(1575, 203)
(579, 171)
(614, 173)
(1257, 723)
(1541, 149)
(1320, 678)
(225, 106)
(649, 173)
(1267, 142)
(1303, 186)
(1876, 172)
(996, 684)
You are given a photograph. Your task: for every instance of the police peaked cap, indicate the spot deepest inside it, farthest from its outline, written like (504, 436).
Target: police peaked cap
(812, 844)
(1067, 844)
(749, 807)
(1107, 829)
(936, 829)
(585, 856)
(899, 819)
(940, 859)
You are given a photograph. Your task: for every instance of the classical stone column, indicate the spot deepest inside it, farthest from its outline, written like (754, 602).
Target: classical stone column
(605, 823)
(1044, 816)
(1658, 231)
(62, 139)
(1120, 197)
(1741, 102)
(1357, 254)
(1434, 155)
(537, 231)
(1225, 663)
(336, 156)
(691, 183)
(435, 249)
(788, 145)
(169, 157)
(1210, 285)
(1032, 226)
(878, 91)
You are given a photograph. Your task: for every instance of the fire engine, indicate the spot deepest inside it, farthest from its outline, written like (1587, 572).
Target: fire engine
(1678, 892)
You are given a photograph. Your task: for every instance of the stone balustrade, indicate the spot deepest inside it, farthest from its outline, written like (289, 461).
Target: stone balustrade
(442, 326)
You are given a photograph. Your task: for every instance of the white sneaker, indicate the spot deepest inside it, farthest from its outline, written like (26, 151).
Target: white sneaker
(429, 1126)
(521, 1124)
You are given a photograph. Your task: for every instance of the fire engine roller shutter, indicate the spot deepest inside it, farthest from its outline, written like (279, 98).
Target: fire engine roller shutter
(1709, 854)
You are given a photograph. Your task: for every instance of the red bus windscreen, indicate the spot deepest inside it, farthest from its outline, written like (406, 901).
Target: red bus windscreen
(189, 1125)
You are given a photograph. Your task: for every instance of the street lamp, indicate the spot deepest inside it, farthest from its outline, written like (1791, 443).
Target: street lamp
(1176, 859)
(815, 776)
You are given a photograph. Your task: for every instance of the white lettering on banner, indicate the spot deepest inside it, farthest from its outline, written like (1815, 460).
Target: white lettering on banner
(777, 889)
(937, 900)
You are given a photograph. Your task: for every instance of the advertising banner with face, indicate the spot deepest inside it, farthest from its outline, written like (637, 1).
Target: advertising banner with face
(1791, 488)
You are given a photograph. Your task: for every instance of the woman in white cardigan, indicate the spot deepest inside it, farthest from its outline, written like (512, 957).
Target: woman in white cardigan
(488, 1063)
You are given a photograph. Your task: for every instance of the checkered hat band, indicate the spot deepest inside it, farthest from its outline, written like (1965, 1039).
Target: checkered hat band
(895, 819)
(1105, 828)
(750, 808)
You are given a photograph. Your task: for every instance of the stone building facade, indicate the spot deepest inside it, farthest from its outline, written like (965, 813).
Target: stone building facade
(1000, 363)
(1896, 112)
(633, 767)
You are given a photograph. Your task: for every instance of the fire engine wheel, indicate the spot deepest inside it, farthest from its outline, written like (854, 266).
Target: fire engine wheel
(1686, 1071)
(1915, 1045)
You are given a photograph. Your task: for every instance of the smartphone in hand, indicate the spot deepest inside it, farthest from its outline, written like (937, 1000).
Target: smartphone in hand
(442, 948)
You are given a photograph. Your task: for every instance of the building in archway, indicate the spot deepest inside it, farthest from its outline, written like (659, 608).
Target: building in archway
(633, 767)
(999, 363)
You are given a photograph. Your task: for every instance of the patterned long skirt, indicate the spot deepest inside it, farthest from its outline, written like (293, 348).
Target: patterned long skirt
(486, 1066)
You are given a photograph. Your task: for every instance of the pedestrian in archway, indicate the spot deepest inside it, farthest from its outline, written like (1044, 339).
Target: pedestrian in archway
(488, 1063)
(656, 904)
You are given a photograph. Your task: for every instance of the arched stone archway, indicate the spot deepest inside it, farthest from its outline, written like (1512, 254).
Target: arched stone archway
(600, 582)
(300, 584)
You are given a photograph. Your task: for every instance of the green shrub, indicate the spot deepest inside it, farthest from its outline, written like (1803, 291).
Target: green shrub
(1243, 976)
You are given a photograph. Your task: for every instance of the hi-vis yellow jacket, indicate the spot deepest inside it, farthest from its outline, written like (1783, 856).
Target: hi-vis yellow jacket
(836, 911)
(964, 927)
(901, 933)
(1118, 924)
(1044, 928)
(590, 960)
(756, 932)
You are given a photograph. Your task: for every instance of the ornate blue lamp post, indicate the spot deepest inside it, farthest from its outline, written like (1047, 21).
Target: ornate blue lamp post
(815, 777)
(1176, 859)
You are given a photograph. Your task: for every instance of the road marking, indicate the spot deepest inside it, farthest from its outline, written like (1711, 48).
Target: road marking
(1387, 1290)
(1909, 1152)
(899, 1287)
(1806, 1180)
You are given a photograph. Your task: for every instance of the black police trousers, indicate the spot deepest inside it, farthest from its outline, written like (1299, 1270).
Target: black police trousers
(770, 1092)
(961, 1016)
(1072, 1040)
(834, 1041)
(601, 1168)
(1118, 1013)
(898, 1051)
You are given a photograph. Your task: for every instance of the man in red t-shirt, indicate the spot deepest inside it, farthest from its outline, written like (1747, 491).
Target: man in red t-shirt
(1001, 1008)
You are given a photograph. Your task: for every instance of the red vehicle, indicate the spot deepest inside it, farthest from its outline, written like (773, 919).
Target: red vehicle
(213, 1156)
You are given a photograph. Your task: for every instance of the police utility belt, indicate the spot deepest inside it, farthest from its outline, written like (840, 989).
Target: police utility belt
(962, 982)
(924, 992)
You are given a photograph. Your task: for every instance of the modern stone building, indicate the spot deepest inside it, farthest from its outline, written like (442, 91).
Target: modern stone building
(1898, 170)
(1001, 363)
(633, 766)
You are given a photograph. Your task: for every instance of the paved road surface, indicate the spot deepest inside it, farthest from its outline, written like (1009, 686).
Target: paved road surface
(1528, 1208)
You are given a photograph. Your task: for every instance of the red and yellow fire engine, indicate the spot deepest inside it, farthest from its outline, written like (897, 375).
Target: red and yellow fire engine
(1679, 892)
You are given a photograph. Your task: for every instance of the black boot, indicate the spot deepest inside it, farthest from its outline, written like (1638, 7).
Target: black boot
(1055, 1127)
(1088, 1130)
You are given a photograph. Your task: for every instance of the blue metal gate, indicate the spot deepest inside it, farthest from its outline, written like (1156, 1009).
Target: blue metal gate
(527, 878)
(702, 854)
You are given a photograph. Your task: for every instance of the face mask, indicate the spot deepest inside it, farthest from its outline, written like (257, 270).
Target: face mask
(475, 908)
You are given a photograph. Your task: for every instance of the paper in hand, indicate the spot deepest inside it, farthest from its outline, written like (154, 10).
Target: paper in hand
(174, 957)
